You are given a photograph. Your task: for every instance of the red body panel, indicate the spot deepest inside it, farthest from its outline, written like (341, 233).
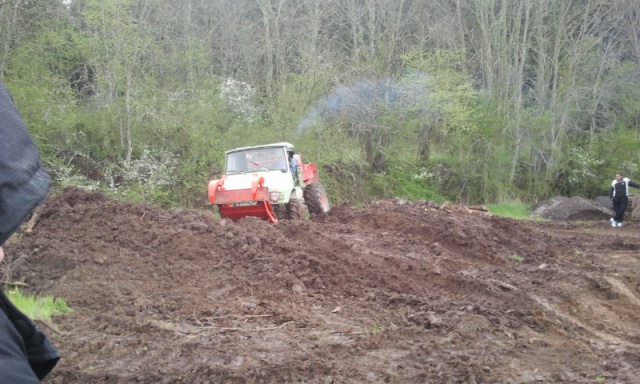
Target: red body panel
(240, 196)
(310, 173)
(262, 210)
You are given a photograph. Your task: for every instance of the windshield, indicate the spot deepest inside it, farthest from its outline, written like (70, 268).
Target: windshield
(259, 159)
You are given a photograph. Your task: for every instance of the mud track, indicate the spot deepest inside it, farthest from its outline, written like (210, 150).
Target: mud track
(383, 293)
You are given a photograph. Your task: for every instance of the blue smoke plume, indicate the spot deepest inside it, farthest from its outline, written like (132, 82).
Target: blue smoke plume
(364, 98)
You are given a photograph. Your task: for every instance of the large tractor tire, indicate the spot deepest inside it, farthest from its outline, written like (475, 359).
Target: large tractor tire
(297, 209)
(316, 198)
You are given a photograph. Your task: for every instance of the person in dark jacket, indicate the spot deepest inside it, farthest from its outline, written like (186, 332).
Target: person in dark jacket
(26, 355)
(619, 194)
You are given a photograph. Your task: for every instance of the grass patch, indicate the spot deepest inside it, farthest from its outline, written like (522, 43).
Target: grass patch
(375, 330)
(513, 210)
(40, 308)
(406, 183)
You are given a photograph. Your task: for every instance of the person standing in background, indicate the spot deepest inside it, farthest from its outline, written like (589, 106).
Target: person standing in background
(619, 194)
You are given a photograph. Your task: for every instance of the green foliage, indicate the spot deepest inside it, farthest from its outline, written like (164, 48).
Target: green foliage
(621, 152)
(452, 95)
(624, 107)
(67, 175)
(151, 169)
(114, 37)
(294, 100)
(340, 161)
(50, 56)
(375, 330)
(583, 170)
(345, 182)
(163, 197)
(481, 176)
(411, 183)
(460, 133)
(40, 308)
(38, 82)
(513, 210)
(189, 97)
(588, 170)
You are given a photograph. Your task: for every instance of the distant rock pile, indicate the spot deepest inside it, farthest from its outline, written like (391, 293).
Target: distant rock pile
(574, 208)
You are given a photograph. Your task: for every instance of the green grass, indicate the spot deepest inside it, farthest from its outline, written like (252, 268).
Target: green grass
(512, 210)
(40, 308)
(375, 330)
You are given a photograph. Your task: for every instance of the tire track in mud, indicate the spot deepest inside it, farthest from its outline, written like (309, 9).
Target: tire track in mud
(608, 309)
(625, 291)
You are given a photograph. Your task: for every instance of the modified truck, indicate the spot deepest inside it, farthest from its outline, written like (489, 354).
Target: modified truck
(269, 182)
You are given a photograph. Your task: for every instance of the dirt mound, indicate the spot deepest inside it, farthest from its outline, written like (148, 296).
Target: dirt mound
(571, 208)
(384, 293)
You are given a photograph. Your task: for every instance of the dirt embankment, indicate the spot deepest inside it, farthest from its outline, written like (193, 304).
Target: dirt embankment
(384, 293)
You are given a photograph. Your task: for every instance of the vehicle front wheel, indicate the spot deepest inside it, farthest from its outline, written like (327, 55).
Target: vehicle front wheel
(297, 209)
(316, 198)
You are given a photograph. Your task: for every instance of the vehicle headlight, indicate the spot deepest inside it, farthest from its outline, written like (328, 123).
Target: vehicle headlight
(274, 197)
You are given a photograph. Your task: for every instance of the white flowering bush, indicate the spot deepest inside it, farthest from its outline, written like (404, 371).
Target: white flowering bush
(583, 163)
(152, 169)
(238, 96)
(422, 174)
(66, 176)
(629, 168)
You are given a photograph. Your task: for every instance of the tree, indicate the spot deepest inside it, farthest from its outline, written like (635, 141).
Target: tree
(21, 20)
(117, 44)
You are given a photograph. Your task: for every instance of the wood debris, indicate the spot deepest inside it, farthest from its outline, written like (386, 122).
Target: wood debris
(433, 206)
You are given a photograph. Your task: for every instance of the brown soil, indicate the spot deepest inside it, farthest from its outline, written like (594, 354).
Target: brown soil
(384, 293)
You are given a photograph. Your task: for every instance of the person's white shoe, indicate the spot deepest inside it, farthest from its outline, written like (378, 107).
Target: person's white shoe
(619, 224)
(613, 223)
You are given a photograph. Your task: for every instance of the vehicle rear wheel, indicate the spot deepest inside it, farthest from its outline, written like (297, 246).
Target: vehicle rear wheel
(316, 198)
(297, 209)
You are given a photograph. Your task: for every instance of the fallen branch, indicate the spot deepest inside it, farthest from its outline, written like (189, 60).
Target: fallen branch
(255, 329)
(210, 319)
(15, 283)
(503, 285)
(33, 221)
(350, 333)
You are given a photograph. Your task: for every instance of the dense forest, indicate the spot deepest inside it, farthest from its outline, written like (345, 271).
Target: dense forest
(476, 101)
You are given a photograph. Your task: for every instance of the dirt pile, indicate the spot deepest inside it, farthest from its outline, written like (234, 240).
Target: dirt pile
(384, 293)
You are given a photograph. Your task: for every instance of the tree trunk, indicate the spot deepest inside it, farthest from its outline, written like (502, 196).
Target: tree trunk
(267, 15)
(519, 60)
(127, 104)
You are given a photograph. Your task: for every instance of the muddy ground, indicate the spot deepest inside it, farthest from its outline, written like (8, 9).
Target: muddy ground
(385, 293)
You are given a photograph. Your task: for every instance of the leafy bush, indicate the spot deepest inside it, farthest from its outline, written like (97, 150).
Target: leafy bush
(420, 183)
